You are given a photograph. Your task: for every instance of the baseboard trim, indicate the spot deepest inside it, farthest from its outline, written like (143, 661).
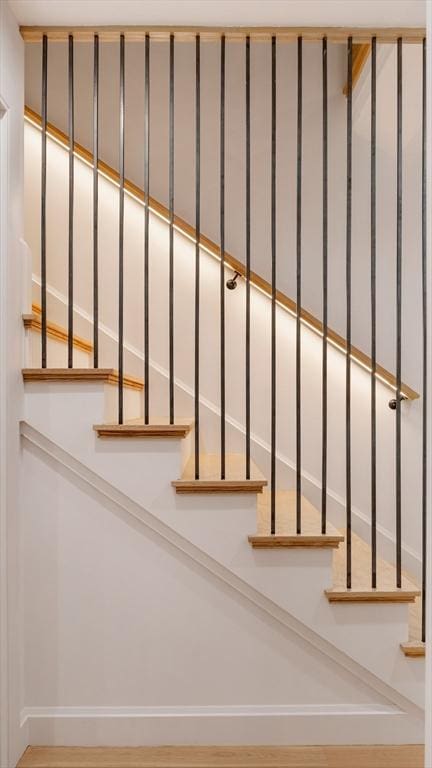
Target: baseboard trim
(221, 725)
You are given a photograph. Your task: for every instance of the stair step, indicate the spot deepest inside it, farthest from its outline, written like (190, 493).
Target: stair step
(286, 524)
(340, 595)
(361, 590)
(297, 540)
(210, 479)
(33, 322)
(108, 375)
(414, 649)
(138, 429)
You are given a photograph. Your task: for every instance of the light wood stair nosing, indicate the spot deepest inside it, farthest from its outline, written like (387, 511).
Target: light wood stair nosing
(339, 595)
(33, 322)
(107, 375)
(414, 649)
(274, 541)
(142, 430)
(219, 486)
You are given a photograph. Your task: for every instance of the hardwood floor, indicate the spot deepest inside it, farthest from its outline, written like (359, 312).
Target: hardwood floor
(228, 757)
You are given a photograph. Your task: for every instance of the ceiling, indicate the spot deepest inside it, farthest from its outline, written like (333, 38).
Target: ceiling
(221, 12)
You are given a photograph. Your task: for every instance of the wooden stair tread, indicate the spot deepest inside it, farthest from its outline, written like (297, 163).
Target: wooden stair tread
(296, 540)
(361, 577)
(108, 375)
(369, 595)
(137, 428)
(414, 649)
(33, 322)
(286, 529)
(210, 480)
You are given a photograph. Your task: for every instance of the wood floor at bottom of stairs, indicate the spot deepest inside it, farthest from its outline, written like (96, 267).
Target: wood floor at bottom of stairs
(406, 756)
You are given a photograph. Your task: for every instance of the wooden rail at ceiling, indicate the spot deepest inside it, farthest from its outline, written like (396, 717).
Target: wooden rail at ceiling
(183, 226)
(109, 34)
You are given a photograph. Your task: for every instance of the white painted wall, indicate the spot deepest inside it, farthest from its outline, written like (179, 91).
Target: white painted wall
(428, 713)
(225, 12)
(260, 381)
(12, 261)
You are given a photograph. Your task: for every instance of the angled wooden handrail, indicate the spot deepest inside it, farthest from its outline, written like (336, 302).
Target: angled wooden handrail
(308, 319)
(109, 34)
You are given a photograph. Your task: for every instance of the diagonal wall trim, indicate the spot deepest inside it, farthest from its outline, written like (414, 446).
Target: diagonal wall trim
(212, 566)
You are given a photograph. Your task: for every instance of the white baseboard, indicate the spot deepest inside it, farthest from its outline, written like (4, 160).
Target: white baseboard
(221, 725)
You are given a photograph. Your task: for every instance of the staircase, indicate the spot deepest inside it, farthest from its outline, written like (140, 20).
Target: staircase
(271, 559)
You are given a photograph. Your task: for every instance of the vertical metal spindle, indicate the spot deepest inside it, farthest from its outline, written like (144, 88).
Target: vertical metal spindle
(248, 255)
(324, 290)
(197, 241)
(373, 313)
(299, 280)
(399, 318)
(171, 230)
(273, 298)
(121, 225)
(348, 314)
(147, 227)
(425, 346)
(43, 199)
(71, 199)
(222, 256)
(95, 201)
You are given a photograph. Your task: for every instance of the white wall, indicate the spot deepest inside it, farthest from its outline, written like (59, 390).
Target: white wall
(12, 259)
(225, 12)
(428, 714)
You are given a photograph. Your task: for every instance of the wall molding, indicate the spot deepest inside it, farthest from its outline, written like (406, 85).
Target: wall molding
(221, 573)
(240, 724)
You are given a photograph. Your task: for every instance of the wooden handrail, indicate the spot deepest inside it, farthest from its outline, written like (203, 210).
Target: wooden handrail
(109, 34)
(334, 338)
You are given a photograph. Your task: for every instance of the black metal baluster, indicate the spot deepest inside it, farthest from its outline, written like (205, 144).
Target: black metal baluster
(95, 201)
(121, 226)
(373, 313)
(399, 319)
(324, 289)
(248, 255)
(43, 198)
(197, 241)
(171, 231)
(348, 314)
(425, 346)
(273, 298)
(147, 227)
(71, 199)
(299, 280)
(222, 256)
